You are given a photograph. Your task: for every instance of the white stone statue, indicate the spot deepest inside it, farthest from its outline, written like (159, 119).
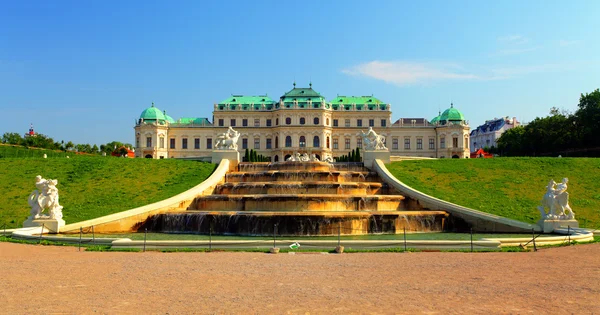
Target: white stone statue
(294, 157)
(372, 140)
(304, 157)
(227, 140)
(556, 200)
(328, 159)
(45, 197)
(314, 158)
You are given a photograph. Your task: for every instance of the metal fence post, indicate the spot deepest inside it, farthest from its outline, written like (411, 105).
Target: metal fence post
(210, 237)
(145, 234)
(533, 233)
(569, 233)
(93, 236)
(339, 232)
(404, 238)
(79, 245)
(274, 234)
(41, 233)
(471, 240)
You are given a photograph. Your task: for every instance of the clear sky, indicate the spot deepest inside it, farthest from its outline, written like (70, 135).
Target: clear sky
(85, 70)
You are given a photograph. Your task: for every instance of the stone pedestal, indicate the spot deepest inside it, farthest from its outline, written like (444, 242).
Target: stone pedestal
(232, 155)
(370, 156)
(53, 225)
(548, 226)
(274, 250)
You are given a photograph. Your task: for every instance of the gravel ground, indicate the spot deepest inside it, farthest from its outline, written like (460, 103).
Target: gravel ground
(48, 279)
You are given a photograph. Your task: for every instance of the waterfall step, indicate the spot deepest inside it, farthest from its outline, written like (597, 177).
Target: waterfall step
(299, 187)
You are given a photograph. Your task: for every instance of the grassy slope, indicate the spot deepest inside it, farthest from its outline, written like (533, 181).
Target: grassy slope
(90, 187)
(510, 187)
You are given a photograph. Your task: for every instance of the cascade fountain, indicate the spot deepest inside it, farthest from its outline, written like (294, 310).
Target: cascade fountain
(300, 198)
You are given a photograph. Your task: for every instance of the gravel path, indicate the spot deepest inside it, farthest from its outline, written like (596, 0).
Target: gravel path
(48, 279)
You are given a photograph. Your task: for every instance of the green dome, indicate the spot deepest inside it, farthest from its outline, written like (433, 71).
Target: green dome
(168, 118)
(152, 114)
(436, 119)
(452, 114)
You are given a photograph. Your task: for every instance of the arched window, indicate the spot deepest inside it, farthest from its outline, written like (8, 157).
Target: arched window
(316, 142)
(276, 121)
(327, 142)
(276, 142)
(316, 120)
(288, 121)
(302, 141)
(302, 121)
(288, 142)
(276, 158)
(327, 122)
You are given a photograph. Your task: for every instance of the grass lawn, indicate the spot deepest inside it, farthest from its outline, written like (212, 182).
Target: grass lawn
(94, 186)
(509, 187)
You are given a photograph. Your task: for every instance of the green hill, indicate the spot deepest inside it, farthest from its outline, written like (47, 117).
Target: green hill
(94, 186)
(510, 187)
(20, 152)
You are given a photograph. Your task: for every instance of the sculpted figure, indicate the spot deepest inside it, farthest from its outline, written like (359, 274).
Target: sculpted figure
(556, 200)
(313, 157)
(45, 197)
(372, 140)
(328, 159)
(304, 157)
(227, 140)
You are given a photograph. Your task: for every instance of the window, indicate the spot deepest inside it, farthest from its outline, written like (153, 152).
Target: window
(466, 142)
(268, 123)
(347, 122)
(302, 121)
(221, 123)
(276, 142)
(288, 121)
(276, 121)
(443, 143)
(406, 143)
(162, 142)
(395, 144)
(302, 141)
(316, 142)
(172, 143)
(359, 143)
(196, 143)
(137, 142)
(257, 143)
(419, 144)
(316, 120)
(184, 143)
(455, 142)
(244, 143)
(335, 122)
(244, 122)
(431, 143)
(148, 142)
(327, 142)
(359, 122)
(347, 143)
(383, 122)
(327, 122)
(335, 144)
(269, 143)
(232, 123)
(288, 142)
(371, 122)
(256, 122)
(209, 143)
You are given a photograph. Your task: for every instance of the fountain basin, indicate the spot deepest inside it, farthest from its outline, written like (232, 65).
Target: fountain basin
(295, 176)
(302, 223)
(294, 203)
(346, 188)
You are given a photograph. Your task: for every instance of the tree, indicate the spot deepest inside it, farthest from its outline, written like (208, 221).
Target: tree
(247, 155)
(358, 158)
(12, 138)
(587, 119)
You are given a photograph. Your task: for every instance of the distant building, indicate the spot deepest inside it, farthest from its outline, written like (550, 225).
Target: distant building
(303, 121)
(487, 135)
(31, 132)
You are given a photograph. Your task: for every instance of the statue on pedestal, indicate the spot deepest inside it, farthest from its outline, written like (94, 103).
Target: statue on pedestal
(45, 197)
(556, 200)
(372, 140)
(227, 140)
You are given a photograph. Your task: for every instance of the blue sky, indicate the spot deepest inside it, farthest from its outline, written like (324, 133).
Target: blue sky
(84, 70)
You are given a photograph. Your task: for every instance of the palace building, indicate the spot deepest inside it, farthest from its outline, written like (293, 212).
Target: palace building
(303, 121)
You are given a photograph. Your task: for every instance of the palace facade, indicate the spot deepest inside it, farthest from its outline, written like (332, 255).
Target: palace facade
(303, 121)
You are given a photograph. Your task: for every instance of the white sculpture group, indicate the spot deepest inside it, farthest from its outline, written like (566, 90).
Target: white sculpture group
(556, 200)
(373, 141)
(227, 140)
(297, 157)
(45, 197)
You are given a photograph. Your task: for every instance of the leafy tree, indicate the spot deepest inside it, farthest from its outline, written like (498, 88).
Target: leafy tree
(12, 138)
(357, 157)
(247, 155)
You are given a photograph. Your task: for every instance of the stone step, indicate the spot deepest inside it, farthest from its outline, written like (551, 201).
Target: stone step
(298, 187)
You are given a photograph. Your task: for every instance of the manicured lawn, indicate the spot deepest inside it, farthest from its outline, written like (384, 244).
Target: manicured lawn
(509, 187)
(91, 187)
